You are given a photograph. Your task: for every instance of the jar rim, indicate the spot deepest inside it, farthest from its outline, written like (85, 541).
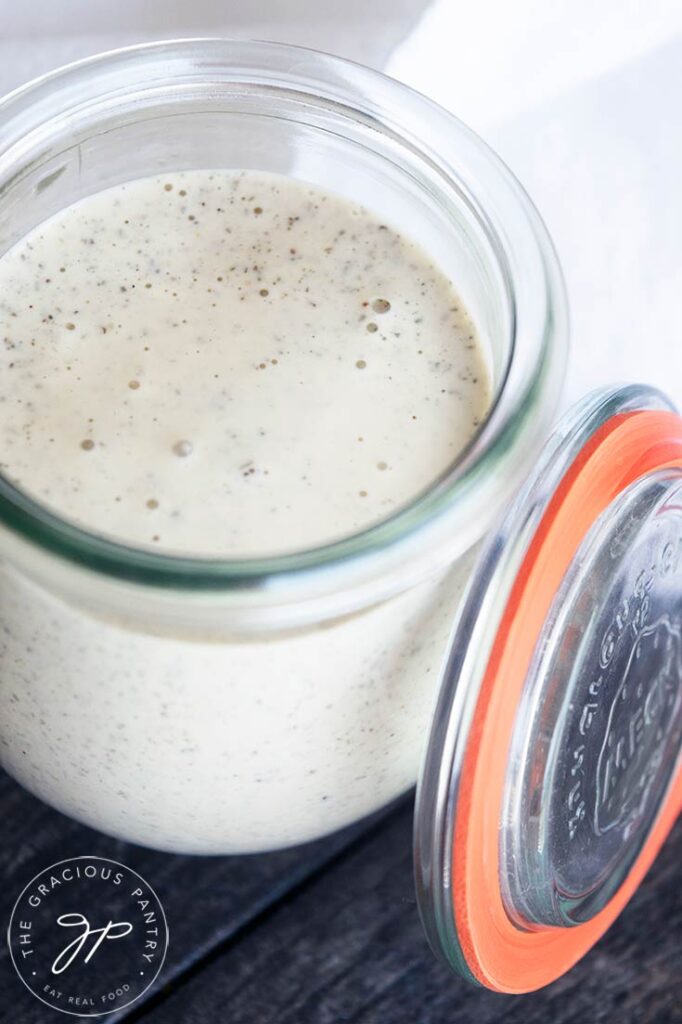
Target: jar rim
(513, 424)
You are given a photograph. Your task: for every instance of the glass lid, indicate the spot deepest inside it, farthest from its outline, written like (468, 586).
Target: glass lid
(551, 776)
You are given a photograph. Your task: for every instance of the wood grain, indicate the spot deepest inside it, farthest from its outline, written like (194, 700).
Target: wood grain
(349, 948)
(207, 900)
(329, 933)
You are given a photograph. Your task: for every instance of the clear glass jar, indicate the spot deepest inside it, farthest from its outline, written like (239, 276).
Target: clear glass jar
(214, 706)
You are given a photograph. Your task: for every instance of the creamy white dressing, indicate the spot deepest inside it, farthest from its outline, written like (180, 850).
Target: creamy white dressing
(229, 363)
(236, 364)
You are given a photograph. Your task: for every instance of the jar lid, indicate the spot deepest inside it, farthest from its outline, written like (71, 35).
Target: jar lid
(552, 773)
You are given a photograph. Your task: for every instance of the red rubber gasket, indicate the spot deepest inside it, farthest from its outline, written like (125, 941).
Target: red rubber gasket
(500, 955)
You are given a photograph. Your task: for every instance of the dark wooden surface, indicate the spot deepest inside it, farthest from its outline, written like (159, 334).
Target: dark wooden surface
(329, 933)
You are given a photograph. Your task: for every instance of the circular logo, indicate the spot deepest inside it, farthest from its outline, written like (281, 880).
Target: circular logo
(88, 936)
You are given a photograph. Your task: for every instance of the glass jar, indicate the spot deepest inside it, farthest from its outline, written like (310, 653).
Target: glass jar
(214, 706)
(225, 707)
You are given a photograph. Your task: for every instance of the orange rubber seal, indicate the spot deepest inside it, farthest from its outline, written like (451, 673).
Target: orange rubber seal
(500, 955)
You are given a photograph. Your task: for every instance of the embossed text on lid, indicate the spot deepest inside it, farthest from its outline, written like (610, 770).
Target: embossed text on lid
(599, 728)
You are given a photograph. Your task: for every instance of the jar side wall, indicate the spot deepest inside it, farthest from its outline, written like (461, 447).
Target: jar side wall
(219, 748)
